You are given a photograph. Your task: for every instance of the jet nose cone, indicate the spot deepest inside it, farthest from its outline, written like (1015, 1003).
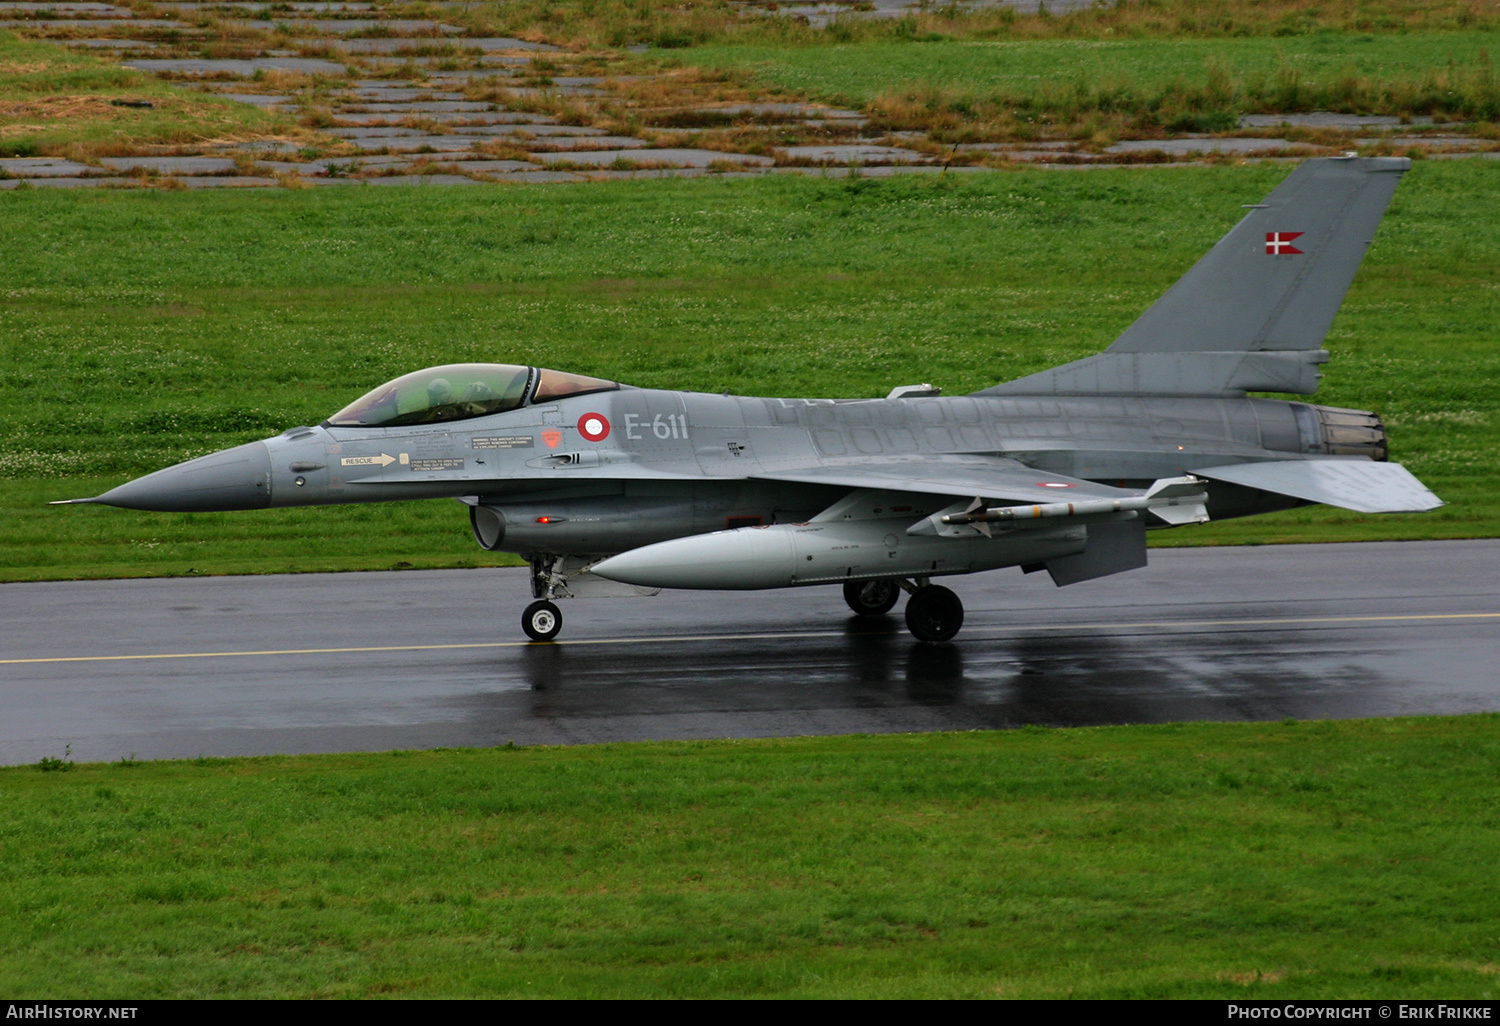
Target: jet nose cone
(238, 478)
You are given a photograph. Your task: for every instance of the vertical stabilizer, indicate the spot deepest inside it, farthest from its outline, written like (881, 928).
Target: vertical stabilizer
(1252, 314)
(1277, 279)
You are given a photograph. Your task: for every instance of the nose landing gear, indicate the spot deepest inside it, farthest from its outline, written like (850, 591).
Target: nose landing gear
(541, 621)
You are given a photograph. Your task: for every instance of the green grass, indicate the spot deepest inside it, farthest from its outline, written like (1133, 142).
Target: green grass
(1151, 80)
(139, 329)
(856, 74)
(1327, 860)
(53, 101)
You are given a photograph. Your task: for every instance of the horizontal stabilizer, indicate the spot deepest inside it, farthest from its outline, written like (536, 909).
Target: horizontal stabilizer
(1357, 484)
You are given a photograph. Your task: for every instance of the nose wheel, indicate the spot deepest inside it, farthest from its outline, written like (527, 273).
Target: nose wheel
(542, 621)
(934, 613)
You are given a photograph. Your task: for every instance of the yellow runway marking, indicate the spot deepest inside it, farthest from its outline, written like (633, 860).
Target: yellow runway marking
(774, 636)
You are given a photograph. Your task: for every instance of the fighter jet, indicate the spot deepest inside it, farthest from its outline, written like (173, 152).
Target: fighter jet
(610, 490)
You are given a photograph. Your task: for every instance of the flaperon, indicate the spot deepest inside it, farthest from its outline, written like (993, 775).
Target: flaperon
(614, 490)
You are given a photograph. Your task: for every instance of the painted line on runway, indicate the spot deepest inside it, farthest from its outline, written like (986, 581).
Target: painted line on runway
(770, 636)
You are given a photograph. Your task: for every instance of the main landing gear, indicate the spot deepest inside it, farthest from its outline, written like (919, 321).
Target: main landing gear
(933, 613)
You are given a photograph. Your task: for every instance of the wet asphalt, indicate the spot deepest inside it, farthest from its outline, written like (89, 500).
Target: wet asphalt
(377, 661)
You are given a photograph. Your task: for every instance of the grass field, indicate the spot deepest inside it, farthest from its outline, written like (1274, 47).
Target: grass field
(1225, 860)
(856, 74)
(603, 24)
(142, 329)
(1190, 83)
(59, 102)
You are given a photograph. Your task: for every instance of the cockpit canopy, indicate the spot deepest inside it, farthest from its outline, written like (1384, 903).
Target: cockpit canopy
(458, 391)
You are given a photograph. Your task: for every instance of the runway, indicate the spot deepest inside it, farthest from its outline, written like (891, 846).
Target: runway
(179, 668)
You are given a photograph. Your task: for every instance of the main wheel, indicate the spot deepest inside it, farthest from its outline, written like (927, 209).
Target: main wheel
(934, 614)
(871, 598)
(541, 621)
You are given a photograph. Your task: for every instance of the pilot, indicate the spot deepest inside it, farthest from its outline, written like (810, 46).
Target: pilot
(478, 398)
(439, 399)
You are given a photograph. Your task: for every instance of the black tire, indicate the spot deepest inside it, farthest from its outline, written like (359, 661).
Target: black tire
(872, 598)
(541, 621)
(934, 614)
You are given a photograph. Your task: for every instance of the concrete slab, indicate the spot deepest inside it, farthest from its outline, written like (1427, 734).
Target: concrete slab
(1326, 119)
(656, 172)
(57, 183)
(243, 68)
(1033, 156)
(858, 153)
(667, 157)
(313, 168)
(417, 106)
(374, 132)
(246, 5)
(399, 93)
(171, 165)
(43, 167)
(110, 44)
(422, 180)
(573, 143)
(381, 162)
(437, 143)
(1179, 147)
(891, 170)
(41, 27)
(262, 146)
(92, 9)
(801, 110)
(236, 182)
(556, 90)
(479, 119)
(541, 176)
(532, 129)
(416, 45)
(472, 74)
(1460, 142)
(963, 147)
(341, 26)
(488, 166)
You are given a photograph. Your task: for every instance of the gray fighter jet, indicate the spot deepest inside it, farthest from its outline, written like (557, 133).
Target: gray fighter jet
(610, 490)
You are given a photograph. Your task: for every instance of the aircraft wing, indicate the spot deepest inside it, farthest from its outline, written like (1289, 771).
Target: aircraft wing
(1358, 484)
(958, 475)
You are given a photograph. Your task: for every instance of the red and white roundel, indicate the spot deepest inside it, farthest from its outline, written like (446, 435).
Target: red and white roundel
(1053, 484)
(594, 427)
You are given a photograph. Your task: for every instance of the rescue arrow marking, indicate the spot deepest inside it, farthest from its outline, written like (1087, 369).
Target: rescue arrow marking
(367, 461)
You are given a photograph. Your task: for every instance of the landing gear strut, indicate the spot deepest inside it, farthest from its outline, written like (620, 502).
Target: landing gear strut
(934, 613)
(872, 598)
(541, 621)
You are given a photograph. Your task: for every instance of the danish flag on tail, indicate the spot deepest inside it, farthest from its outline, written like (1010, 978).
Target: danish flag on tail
(1280, 243)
